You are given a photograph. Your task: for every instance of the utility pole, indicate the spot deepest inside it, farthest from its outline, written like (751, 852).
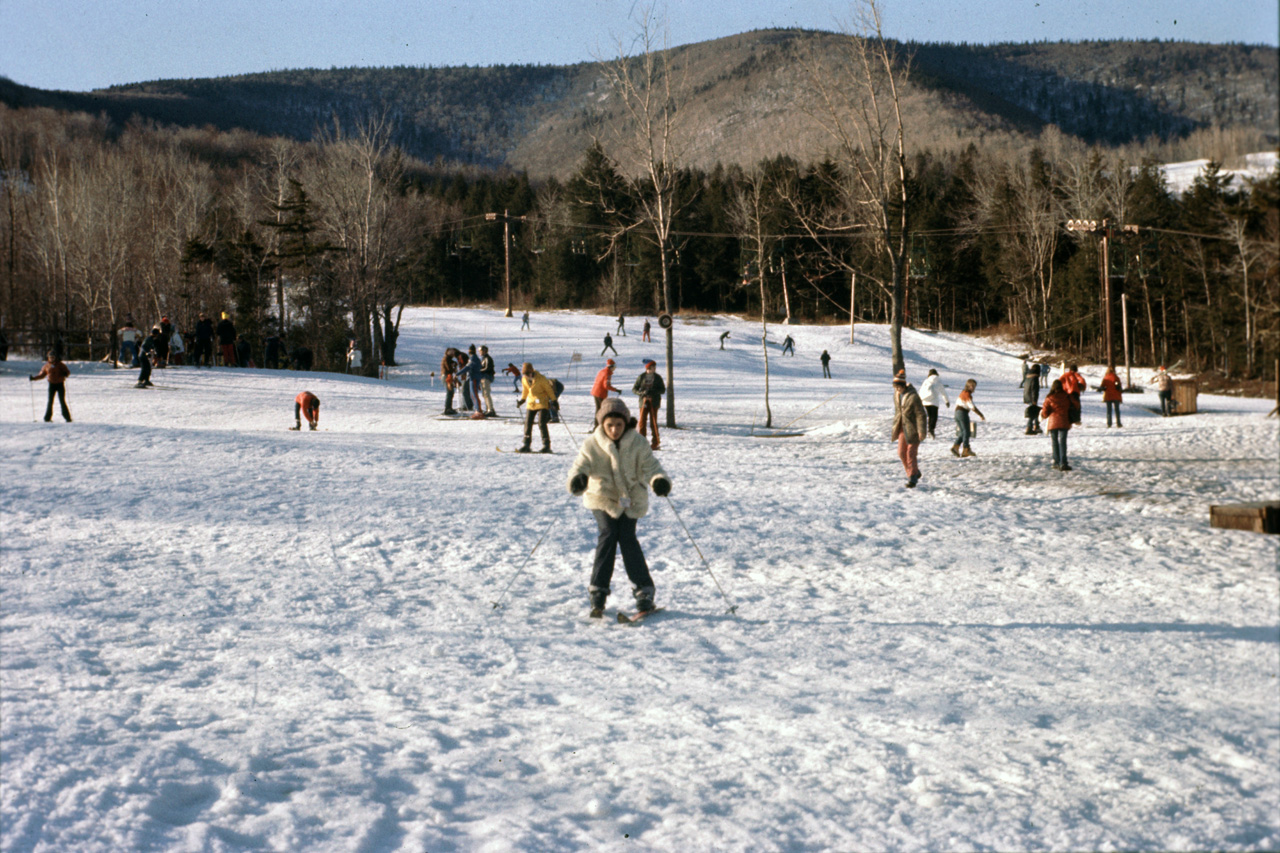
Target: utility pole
(1103, 229)
(506, 249)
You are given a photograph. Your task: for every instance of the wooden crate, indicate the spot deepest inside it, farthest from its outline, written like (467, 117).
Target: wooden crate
(1185, 392)
(1262, 517)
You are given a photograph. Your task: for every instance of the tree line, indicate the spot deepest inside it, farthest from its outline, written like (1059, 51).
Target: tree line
(330, 239)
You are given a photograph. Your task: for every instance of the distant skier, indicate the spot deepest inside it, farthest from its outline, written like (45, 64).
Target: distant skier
(487, 373)
(55, 373)
(608, 345)
(622, 326)
(649, 387)
(613, 472)
(1111, 395)
(355, 358)
(788, 345)
(227, 340)
(645, 335)
(930, 391)
(603, 385)
(723, 337)
(964, 406)
(514, 372)
(1031, 398)
(524, 321)
(825, 358)
(202, 355)
(1057, 419)
(909, 426)
(306, 405)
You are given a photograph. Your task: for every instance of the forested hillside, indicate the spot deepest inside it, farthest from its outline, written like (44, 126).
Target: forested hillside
(744, 97)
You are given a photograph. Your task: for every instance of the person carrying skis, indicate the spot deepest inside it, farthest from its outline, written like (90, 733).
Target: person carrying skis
(55, 373)
(964, 406)
(602, 386)
(930, 391)
(613, 473)
(608, 345)
(910, 423)
(1073, 383)
(649, 387)
(1111, 394)
(308, 405)
(539, 393)
(1056, 414)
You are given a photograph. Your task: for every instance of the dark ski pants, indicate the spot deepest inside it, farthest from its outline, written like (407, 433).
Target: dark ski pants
(1059, 439)
(932, 413)
(59, 390)
(826, 374)
(543, 416)
(619, 534)
(1113, 404)
(1166, 403)
(144, 374)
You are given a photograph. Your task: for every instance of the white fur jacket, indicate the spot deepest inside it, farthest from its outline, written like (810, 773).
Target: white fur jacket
(614, 470)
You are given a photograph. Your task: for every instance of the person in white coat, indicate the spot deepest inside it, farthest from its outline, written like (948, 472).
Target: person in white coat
(614, 471)
(931, 391)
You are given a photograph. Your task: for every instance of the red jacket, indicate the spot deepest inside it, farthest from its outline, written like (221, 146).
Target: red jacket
(55, 371)
(307, 401)
(602, 385)
(1111, 388)
(1056, 411)
(1073, 382)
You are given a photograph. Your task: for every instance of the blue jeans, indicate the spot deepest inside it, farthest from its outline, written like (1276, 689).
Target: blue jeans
(1113, 404)
(1059, 439)
(128, 353)
(962, 427)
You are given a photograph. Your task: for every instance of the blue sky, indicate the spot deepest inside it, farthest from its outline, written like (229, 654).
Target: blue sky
(85, 44)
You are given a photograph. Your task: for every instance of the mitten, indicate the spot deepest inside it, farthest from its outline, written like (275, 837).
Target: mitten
(662, 487)
(578, 484)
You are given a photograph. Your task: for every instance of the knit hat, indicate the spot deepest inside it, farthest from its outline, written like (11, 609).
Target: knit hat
(609, 362)
(649, 361)
(613, 407)
(900, 378)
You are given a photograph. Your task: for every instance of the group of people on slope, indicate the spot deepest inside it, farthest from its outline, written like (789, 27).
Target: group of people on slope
(648, 388)
(472, 372)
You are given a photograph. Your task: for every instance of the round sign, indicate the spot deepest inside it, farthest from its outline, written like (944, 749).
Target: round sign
(664, 320)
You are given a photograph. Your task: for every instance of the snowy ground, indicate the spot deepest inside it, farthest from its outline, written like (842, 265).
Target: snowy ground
(221, 635)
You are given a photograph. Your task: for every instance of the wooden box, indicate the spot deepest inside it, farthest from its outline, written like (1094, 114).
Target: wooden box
(1184, 392)
(1262, 517)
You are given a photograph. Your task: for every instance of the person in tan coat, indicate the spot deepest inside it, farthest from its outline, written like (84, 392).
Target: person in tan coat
(910, 425)
(613, 472)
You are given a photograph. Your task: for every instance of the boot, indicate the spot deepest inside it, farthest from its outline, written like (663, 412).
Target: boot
(968, 452)
(598, 598)
(955, 450)
(546, 449)
(524, 448)
(644, 599)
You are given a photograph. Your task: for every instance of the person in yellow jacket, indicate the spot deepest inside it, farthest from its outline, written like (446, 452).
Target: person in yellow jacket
(537, 393)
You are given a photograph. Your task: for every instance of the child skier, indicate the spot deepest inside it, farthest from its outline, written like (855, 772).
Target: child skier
(306, 405)
(613, 472)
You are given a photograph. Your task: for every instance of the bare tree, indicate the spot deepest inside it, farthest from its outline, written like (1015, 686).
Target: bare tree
(749, 212)
(651, 93)
(856, 101)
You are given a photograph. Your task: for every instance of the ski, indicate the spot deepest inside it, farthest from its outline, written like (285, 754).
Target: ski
(530, 453)
(638, 617)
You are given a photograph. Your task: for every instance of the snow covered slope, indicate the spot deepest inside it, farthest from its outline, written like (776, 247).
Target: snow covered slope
(216, 634)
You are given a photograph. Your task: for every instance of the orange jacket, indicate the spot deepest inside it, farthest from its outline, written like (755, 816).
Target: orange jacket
(603, 385)
(55, 371)
(1111, 388)
(1073, 382)
(1056, 411)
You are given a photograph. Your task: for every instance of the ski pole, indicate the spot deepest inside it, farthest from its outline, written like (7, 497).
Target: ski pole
(811, 411)
(529, 556)
(33, 401)
(564, 424)
(733, 608)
